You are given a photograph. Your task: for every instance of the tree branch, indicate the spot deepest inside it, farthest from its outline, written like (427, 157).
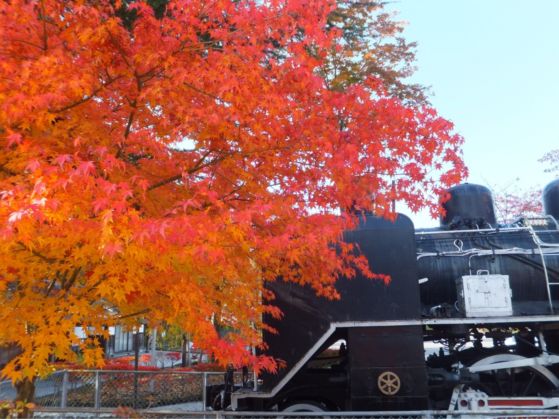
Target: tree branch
(137, 313)
(198, 166)
(120, 50)
(35, 253)
(130, 120)
(51, 285)
(165, 182)
(28, 43)
(92, 287)
(72, 279)
(203, 92)
(87, 97)
(7, 171)
(43, 17)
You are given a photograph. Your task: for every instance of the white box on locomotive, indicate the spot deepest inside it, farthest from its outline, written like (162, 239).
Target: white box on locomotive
(484, 295)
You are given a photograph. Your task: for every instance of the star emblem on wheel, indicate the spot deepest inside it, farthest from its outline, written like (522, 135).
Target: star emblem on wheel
(388, 383)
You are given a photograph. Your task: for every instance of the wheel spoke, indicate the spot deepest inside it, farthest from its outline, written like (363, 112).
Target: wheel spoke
(513, 382)
(529, 384)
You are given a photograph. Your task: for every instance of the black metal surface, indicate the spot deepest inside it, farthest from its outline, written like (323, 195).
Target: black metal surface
(551, 199)
(323, 380)
(526, 275)
(469, 206)
(390, 249)
(398, 350)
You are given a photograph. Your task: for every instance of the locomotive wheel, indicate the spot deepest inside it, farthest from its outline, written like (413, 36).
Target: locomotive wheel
(530, 381)
(304, 406)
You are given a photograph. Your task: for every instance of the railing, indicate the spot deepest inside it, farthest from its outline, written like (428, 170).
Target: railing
(99, 389)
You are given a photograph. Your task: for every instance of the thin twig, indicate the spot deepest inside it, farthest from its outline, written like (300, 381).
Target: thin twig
(72, 279)
(203, 92)
(44, 19)
(130, 120)
(7, 171)
(137, 313)
(198, 166)
(35, 253)
(87, 97)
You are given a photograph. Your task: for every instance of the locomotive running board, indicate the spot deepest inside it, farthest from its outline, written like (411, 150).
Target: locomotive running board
(385, 323)
(450, 321)
(548, 318)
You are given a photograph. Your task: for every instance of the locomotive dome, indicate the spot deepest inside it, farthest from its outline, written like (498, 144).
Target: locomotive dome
(551, 199)
(469, 206)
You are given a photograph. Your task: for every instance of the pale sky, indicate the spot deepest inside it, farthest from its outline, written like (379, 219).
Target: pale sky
(493, 68)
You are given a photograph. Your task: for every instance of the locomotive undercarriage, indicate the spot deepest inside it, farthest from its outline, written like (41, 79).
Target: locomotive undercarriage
(466, 364)
(508, 366)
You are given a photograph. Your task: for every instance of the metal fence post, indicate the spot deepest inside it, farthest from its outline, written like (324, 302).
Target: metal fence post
(64, 395)
(135, 400)
(204, 384)
(97, 390)
(136, 363)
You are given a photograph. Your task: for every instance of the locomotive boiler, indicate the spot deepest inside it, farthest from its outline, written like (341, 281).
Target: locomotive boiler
(469, 321)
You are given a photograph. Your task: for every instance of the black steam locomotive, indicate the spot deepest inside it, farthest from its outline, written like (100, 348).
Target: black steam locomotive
(469, 321)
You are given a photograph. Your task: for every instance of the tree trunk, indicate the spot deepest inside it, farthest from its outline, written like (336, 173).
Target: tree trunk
(25, 393)
(183, 348)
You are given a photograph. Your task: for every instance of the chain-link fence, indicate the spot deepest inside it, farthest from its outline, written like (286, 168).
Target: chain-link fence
(136, 389)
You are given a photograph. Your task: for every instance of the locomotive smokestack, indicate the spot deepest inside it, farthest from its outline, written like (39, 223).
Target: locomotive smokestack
(551, 199)
(469, 206)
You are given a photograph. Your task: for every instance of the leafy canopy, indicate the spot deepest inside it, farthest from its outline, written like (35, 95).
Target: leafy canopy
(168, 165)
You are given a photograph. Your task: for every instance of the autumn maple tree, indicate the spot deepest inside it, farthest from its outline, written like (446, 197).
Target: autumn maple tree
(167, 162)
(551, 159)
(370, 44)
(510, 206)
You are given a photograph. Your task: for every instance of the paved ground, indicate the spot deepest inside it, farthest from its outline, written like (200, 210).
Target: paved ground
(43, 388)
(182, 407)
